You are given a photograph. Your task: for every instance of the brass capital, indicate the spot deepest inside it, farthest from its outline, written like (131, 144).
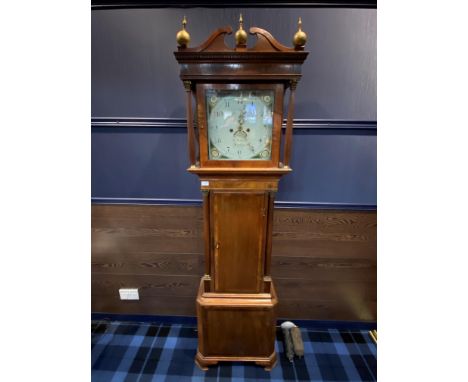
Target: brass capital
(188, 85)
(293, 84)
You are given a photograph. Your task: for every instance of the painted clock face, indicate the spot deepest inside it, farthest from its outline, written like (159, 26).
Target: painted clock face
(240, 124)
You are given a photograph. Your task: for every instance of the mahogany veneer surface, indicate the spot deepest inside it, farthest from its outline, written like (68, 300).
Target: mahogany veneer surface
(323, 261)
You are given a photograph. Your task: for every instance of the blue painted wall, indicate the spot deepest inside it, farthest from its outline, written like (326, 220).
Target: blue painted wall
(134, 74)
(335, 167)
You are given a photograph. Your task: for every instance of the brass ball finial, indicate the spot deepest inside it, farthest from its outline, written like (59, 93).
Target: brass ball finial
(241, 34)
(300, 38)
(183, 37)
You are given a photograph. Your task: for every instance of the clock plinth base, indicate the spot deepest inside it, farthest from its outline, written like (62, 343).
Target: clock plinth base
(204, 363)
(268, 364)
(236, 327)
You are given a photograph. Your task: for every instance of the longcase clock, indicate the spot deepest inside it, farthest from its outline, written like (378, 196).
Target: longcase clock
(234, 144)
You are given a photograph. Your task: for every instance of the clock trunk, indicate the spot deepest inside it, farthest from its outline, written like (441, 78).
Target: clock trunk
(239, 231)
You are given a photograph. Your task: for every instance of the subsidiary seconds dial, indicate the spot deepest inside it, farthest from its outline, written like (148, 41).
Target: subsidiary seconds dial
(240, 124)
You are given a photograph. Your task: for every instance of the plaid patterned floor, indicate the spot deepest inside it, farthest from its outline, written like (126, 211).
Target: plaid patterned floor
(141, 352)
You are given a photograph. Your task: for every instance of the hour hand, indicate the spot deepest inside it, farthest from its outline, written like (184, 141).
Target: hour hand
(241, 118)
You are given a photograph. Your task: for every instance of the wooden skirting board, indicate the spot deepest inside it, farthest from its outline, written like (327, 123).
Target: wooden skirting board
(324, 262)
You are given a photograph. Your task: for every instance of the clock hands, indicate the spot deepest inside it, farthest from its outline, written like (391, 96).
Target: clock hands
(240, 136)
(241, 119)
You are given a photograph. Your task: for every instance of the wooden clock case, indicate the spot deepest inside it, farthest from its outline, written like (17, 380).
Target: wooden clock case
(236, 301)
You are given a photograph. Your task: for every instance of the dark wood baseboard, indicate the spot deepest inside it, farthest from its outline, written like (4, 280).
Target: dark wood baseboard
(323, 262)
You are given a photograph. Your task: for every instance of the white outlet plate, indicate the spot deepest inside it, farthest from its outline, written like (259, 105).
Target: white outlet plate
(129, 294)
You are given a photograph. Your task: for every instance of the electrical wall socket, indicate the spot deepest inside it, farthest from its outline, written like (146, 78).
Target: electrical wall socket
(129, 294)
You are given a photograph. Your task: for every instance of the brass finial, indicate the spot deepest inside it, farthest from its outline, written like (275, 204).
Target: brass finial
(182, 37)
(300, 38)
(241, 34)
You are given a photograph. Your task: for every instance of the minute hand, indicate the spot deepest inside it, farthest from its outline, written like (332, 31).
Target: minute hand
(241, 120)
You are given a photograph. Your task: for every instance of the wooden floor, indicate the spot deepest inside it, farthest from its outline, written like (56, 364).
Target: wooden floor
(323, 262)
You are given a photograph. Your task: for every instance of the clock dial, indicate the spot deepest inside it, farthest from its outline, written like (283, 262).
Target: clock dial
(240, 124)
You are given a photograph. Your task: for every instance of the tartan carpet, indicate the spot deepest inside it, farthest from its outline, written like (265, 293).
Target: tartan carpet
(143, 352)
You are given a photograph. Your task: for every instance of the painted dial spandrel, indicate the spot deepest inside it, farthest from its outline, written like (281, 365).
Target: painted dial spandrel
(240, 124)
